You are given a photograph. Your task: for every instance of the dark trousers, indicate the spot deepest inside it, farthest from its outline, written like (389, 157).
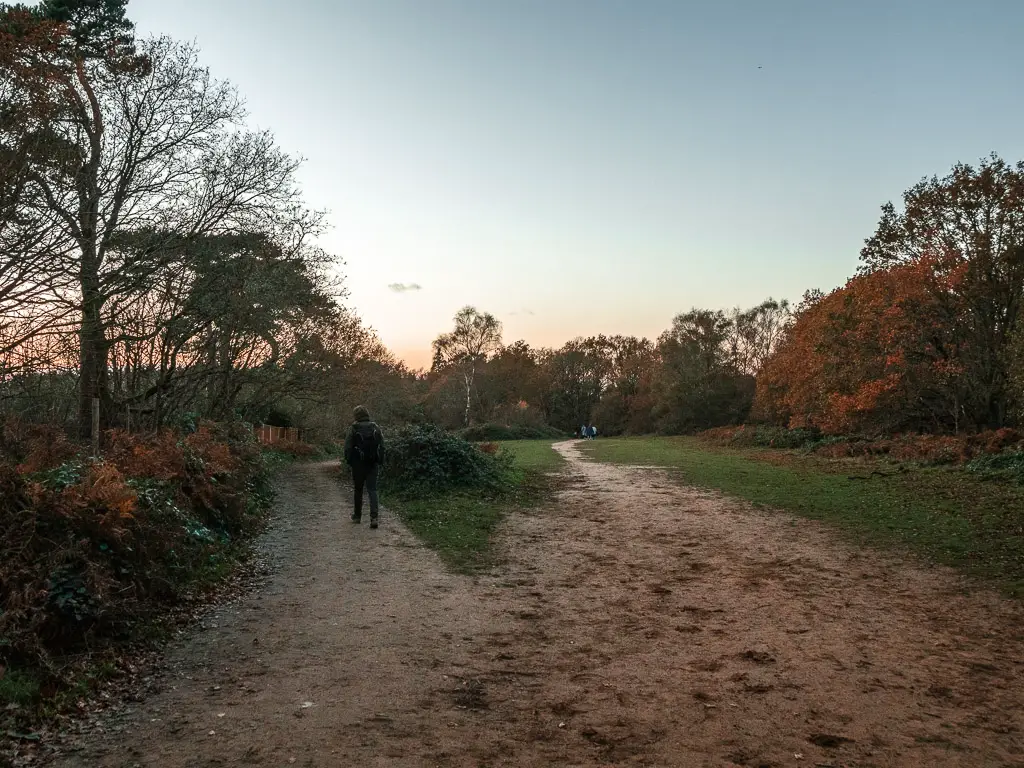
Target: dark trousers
(365, 476)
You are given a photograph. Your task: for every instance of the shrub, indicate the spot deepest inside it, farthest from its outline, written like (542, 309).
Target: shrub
(496, 432)
(91, 548)
(1008, 465)
(924, 449)
(720, 435)
(927, 449)
(763, 436)
(921, 449)
(34, 446)
(427, 459)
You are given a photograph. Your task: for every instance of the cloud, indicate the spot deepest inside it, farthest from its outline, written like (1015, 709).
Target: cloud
(405, 287)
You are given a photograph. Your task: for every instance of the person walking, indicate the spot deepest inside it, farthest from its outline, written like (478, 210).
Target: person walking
(364, 452)
(593, 432)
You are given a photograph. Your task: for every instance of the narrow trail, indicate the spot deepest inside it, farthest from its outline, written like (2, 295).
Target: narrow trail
(633, 622)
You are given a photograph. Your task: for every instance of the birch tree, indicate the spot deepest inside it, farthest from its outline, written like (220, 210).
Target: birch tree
(475, 337)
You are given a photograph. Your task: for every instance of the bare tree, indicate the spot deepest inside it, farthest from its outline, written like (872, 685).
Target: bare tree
(476, 336)
(151, 144)
(154, 254)
(757, 332)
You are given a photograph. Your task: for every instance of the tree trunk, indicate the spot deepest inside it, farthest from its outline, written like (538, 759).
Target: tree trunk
(225, 398)
(469, 389)
(93, 351)
(93, 346)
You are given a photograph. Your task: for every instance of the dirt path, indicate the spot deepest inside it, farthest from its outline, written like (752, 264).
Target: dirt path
(634, 622)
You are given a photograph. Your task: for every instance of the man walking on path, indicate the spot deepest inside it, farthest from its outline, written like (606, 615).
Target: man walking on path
(364, 452)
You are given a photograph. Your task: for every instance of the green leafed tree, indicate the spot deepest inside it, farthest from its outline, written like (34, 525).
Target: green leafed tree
(98, 28)
(754, 334)
(576, 376)
(699, 385)
(29, 240)
(627, 401)
(510, 384)
(1015, 355)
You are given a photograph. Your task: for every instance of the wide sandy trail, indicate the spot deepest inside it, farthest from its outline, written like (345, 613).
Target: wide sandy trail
(633, 622)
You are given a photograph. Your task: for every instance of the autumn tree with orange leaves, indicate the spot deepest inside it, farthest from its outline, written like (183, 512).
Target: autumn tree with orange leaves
(878, 355)
(970, 226)
(922, 338)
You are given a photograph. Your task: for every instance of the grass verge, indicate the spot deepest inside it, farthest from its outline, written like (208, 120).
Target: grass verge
(460, 524)
(946, 514)
(534, 455)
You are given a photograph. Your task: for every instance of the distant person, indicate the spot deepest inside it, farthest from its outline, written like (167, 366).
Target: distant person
(593, 432)
(364, 452)
(583, 432)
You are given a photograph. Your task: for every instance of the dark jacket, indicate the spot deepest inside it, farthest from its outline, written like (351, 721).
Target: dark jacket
(368, 430)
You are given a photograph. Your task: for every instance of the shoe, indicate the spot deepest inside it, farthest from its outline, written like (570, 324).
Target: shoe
(373, 523)
(356, 519)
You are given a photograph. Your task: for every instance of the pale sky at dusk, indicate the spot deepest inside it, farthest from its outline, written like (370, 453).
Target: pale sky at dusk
(589, 166)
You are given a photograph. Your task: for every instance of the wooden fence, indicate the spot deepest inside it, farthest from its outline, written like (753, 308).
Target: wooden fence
(268, 435)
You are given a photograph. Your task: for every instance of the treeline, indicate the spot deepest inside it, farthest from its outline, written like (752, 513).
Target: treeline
(927, 337)
(157, 259)
(156, 255)
(698, 374)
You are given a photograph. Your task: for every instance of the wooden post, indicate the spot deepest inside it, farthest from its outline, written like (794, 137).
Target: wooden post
(95, 427)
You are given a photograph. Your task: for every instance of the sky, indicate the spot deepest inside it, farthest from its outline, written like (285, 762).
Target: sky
(577, 167)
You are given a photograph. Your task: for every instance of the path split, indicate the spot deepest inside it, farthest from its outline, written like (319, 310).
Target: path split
(633, 622)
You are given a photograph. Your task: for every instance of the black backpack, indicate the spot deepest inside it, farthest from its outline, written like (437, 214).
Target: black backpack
(366, 449)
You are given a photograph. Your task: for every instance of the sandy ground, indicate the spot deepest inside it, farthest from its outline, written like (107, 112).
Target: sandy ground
(633, 622)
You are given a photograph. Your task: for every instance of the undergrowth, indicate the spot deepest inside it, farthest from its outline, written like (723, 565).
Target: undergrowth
(94, 550)
(501, 432)
(1007, 466)
(930, 450)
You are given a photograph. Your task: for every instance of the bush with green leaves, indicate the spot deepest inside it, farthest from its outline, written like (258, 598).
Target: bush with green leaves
(764, 436)
(488, 432)
(423, 460)
(775, 437)
(1008, 465)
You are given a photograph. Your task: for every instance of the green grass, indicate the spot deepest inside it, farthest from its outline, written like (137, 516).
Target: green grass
(458, 526)
(946, 514)
(534, 455)
(461, 526)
